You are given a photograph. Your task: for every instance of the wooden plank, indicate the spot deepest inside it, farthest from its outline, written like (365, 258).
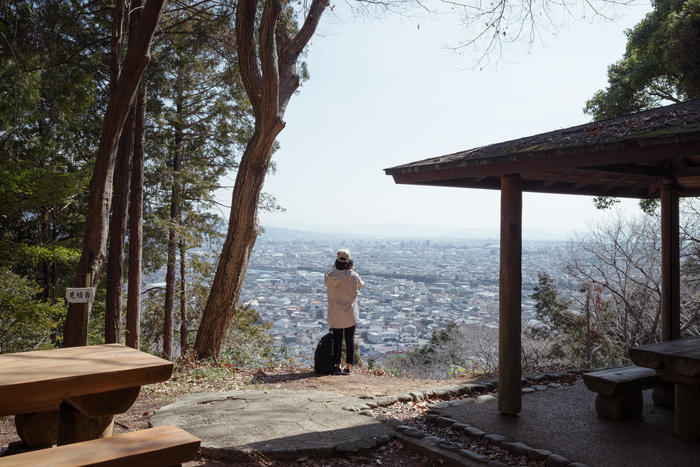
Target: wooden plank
(680, 356)
(41, 379)
(164, 445)
(510, 285)
(616, 381)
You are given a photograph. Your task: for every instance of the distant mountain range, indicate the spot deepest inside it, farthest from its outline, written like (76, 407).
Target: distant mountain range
(399, 232)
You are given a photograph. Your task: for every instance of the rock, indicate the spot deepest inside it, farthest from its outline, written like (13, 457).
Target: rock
(429, 394)
(393, 422)
(414, 432)
(538, 454)
(433, 440)
(367, 395)
(387, 401)
(442, 393)
(555, 460)
(450, 446)
(479, 387)
(417, 396)
(577, 464)
(460, 426)
(348, 446)
(539, 378)
(431, 417)
(527, 390)
(383, 439)
(441, 405)
(540, 387)
(554, 385)
(495, 438)
(402, 428)
(491, 383)
(473, 432)
(485, 398)
(495, 463)
(517, 447)
(404, 398)
(455, 390)
(366, 413)
(457, 402)
(474, 456)
(445, 421)
(366, 443)
(557, 374)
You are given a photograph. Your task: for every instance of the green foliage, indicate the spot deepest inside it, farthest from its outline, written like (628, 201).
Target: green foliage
(579, 338)
(604, 202)
(550, 310)
(249, 342)
(661, 62)
(26, 322)
(450, 353)
(39, 254)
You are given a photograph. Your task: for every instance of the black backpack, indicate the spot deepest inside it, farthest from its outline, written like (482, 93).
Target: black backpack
(323, 357)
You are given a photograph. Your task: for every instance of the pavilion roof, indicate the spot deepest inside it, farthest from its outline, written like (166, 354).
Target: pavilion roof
(628, 156)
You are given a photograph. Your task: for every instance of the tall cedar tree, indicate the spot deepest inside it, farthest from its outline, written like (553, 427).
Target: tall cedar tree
(198, 130)
(100, 189)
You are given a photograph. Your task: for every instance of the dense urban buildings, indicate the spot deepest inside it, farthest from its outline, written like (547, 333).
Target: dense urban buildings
(412, 287)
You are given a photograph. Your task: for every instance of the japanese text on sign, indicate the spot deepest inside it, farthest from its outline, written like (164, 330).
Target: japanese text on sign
(80, 295)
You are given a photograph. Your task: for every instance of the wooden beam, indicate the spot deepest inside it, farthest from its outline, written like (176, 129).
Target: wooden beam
(670, 264)
(510, 285)
(569, 158)
(556, 179)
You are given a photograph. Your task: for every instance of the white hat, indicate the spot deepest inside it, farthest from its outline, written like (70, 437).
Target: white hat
(343, 255)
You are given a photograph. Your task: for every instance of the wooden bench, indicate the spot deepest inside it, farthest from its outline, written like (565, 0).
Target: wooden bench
(161, 446)
(620, 390)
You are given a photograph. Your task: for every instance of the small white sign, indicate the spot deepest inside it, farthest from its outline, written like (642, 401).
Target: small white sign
(80, 295)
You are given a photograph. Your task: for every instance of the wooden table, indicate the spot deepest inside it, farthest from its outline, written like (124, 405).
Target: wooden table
(68, 395)
(677, 361)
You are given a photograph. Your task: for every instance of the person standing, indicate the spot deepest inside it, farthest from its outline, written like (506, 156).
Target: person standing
(343, 285)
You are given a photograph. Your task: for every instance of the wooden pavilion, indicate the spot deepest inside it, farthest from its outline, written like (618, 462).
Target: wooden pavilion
(650, 154)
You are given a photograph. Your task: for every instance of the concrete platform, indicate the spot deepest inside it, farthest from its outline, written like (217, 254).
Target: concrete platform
(245, 425)
(563, 421)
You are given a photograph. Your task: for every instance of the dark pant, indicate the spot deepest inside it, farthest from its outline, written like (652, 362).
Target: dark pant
(349, 334)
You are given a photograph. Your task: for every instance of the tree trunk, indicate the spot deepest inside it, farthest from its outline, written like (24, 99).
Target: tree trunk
(100, 188)
(172, 237)
(183, 299)
(268, 71)
(133, 305)
(117, 234)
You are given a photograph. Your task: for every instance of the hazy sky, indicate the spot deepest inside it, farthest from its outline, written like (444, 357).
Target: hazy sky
(388, 91)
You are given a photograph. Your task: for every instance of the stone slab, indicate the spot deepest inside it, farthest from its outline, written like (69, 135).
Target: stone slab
(238, 425)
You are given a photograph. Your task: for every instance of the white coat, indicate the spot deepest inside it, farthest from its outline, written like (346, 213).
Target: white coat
(343, 288)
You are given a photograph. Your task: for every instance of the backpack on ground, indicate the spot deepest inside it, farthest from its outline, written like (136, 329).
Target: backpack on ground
(323, 357)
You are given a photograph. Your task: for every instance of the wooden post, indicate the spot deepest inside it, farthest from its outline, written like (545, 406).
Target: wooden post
(670, 264)
(510, 285)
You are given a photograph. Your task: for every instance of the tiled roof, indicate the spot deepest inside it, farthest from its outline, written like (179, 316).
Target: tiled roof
(595, 144)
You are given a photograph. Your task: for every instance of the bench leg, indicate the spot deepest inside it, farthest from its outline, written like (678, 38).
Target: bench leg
(75, 427)
(664, 395)
(38, 430)
(687, 413)
(627, 405)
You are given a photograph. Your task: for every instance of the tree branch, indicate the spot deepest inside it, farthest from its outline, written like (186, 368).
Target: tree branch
(247, 58)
